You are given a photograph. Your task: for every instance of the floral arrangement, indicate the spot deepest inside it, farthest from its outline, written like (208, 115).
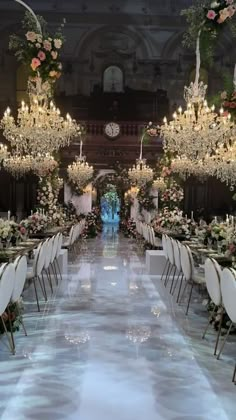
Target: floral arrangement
(229, 101)
(150, 130)
(145, 199)
(172, 196)
(35, 223)
(39, 51)
(172, 221)
(12, 317)
(209, 17)
(48, 192)
(91, 225)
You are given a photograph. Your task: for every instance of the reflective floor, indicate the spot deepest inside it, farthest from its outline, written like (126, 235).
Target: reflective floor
(111, 345)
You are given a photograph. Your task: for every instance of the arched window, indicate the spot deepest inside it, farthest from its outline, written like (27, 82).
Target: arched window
(113, 79)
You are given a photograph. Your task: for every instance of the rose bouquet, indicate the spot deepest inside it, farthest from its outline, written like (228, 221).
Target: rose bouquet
(38, 50)
(173, 196)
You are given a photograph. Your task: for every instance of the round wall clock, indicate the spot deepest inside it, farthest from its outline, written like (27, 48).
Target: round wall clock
(112, 130)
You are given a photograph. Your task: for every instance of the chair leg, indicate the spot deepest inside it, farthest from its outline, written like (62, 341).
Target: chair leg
(166, 265)
(190, 295)
(11, 328)
(219, 332)
(180, 287)
(168, 276)
(172, 283)
(183, 292)
(43, 288)
(209, 321)
(177, 280)
(58, 267)
(36, 294)
(234, 374)
(225, 339)
(49, 280)
(11, 345)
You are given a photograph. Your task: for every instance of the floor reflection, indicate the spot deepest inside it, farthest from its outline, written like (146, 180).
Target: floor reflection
(111, 345)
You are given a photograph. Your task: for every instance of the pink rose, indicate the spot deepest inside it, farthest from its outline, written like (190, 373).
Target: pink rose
(231, 10)
(35, 63)
(211, 14)
(41, 55)
(47, 45)
(54, 55)
(31, 36)
(229, 1)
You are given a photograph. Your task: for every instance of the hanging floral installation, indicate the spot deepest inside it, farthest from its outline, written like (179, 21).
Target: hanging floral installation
(38, 50)
(209, 17)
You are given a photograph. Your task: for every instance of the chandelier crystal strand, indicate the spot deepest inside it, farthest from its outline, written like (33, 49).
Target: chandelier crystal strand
(3, 152)
(140, 173)
(80, 172)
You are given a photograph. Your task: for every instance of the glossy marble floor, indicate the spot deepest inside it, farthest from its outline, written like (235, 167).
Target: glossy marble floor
(111, 345)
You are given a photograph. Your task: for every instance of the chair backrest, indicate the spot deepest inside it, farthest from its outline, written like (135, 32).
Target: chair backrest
(7, 281)
(48, 252)
(170, 250)
(54, 247)
(41, 259)
(20, 265)
(212, 277)
(177, 258)
(59, 244)
(186, 262)
(228, 291)
(71, 234)
(36, 257)
(164, 245)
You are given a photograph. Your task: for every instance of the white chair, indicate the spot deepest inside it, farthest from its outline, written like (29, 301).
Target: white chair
(171, 258)
(47, 260)
(190, 275)
(228, 291)
(20, 266)
(167, 265)
(212, 277)
(177, 259)
(35, 271)
(58, 251)
(53, 256)
(7, 281)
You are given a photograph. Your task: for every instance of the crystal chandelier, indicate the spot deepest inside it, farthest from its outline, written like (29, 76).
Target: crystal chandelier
(140, 173)
(199, 130)
(42, 165)
(159, 184)
(80, 173)
(38, 127)
(18, 165)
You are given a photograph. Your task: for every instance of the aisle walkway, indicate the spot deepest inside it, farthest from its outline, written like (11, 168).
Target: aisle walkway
(111, 347)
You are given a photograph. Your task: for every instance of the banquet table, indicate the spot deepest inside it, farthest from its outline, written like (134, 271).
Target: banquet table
(24, 248)
(51, 232)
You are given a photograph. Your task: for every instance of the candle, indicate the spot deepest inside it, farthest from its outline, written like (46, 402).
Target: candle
(8, 215)
(31, 212)
(191, 215)
(186, 217)
(215, 219)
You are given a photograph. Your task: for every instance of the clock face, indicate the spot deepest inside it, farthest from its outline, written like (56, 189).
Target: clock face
(112, 130)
